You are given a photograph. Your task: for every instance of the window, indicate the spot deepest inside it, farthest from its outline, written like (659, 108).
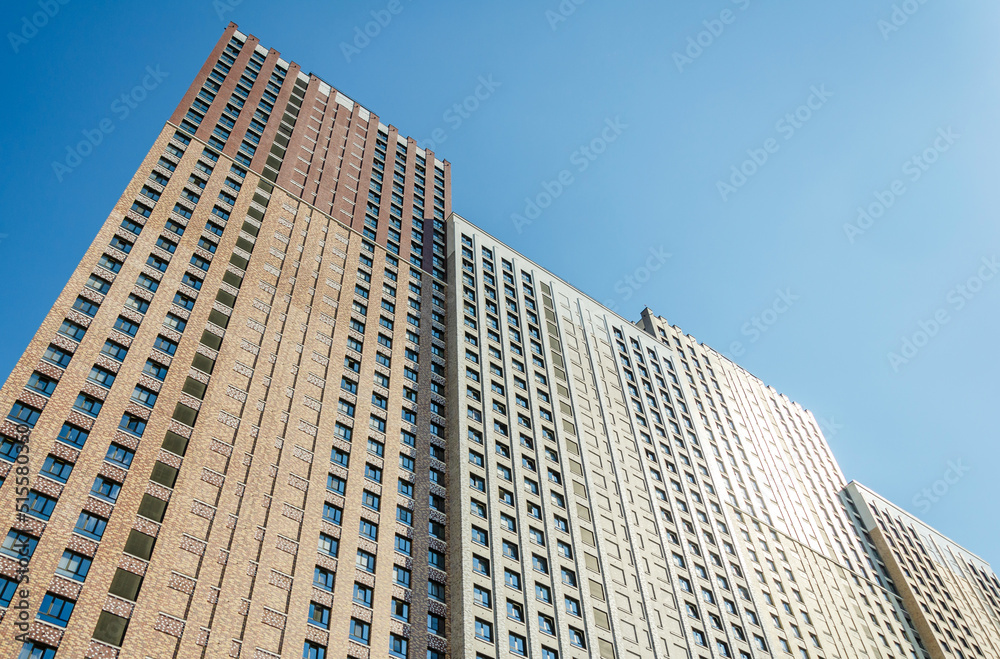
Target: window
(72, 330)
(362, 594)
(484, 630)
(57, 355)
(319, 615)
(42, 383)
(55, 468)
(435, 624)
(71, 434)
(19, 545)
(114, 350)
(7, 589)
(398, 646)
(400, 610)
(155, 369)
(88, 404)
(313, 651)
(133, 424)
(401, 576)
(332, 513)
(55, 609)
(323, 578)
(482, 596)
(480, 565)
(546, 625)
(518, 644)
(368, 529)
(365, 561)
(328, 545)
(24, 414)
(38, 505)
(404, 545)
(85, 306)
(360, 631)
(336, 484)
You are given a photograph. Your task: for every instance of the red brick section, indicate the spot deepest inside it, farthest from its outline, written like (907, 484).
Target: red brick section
(231, 572)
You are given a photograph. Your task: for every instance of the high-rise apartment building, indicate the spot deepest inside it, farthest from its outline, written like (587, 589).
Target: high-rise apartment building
(289, 405)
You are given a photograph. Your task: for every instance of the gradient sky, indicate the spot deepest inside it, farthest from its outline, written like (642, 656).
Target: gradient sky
(664, 121)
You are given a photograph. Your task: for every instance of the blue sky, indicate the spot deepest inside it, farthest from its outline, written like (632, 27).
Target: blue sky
(631, 124)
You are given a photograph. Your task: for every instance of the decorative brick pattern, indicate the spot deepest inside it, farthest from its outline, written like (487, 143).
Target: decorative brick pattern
(221, 447)
(182, 583)
(202, 509)
(98, 507)
(158, 491)
(273, 618)
(180, 428)
(132, 564)
(43, 632)
(193, 545)
(298, 482)
(82, 545)
(117, 474)
(49, 487)
(118, 606)
(357, 651)
(317, 635)
(291, 512)
(65, 587)
(212, 477)
(286, 545)
(282, 581)
(98, 650)
(63, 451)
(146, 526)
(169, 625)
(227, 419)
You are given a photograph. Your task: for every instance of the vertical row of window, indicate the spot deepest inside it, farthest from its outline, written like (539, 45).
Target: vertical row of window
(505, 410)
(235, 105)
(361, 331)
(396, 206)
(56, 609)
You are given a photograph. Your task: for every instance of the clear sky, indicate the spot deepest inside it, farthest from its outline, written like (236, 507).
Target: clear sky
(703, 159)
